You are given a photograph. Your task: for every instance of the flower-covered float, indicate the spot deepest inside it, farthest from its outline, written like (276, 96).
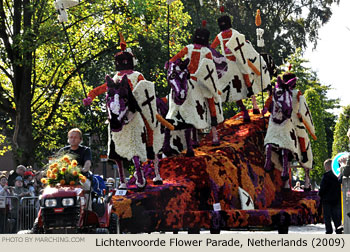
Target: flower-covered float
(65, 205)
(221, 188)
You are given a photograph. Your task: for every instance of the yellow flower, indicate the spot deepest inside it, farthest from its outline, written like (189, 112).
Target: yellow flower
(75, 173)
(44, 181)
(48, 173)
(62, 182)
(64, 169)
(53, 176)
(54, 170)
(54, 165)
(74, 163)
(72, 183)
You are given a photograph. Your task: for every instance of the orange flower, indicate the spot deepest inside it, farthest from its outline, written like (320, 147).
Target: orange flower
(64, 169)
(51, 167)
(53, 176)
(75, 173)
(48, 173)
(54, 165)
(62, 182)
(83, 179)
(74, 163)
(44, 181)
(66, 159)
(72, 183)
(55, 170)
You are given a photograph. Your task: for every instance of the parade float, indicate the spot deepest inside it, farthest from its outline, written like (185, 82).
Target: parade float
(222, 187)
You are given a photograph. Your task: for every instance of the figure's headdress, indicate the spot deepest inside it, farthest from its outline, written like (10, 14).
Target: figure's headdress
(289, 76)
(201, 35)
(124, 60)
(224, 21)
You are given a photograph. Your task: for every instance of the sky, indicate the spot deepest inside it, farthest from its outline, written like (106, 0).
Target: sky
(331, 57)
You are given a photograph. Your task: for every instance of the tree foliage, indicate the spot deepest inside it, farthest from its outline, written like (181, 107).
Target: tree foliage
(320, 153)
(341, 141)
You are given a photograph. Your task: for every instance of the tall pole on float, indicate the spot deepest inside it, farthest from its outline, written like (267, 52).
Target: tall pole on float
(61, 6)
(260, 44)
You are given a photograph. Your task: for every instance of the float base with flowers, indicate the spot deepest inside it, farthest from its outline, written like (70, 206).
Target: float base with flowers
(221, 188)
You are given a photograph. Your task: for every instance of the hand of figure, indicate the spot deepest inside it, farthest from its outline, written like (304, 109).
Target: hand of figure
(87, 101)
(264, 111)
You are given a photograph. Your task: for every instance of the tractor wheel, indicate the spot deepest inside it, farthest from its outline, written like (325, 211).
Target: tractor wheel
(215, 230)
(114, 227)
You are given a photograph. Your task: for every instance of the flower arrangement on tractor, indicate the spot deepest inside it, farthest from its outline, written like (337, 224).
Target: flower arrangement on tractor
(63, 171)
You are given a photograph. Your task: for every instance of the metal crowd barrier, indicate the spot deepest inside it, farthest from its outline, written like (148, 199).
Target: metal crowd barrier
(29, 207)
(17, 214)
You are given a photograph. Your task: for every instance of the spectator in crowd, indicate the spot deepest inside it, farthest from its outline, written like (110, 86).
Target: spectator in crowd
(19, 190)
(3, 182)
(4, 212)
(28, 181)
(330, 193)
(14, 174)
(38, 186)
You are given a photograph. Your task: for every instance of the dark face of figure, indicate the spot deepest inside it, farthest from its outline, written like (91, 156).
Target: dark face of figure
(123, 61)
(224, 23)
(201, 37)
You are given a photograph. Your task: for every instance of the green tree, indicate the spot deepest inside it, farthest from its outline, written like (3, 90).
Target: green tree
(40, 89)
(288, 24)
(319, 151)
(341, 141)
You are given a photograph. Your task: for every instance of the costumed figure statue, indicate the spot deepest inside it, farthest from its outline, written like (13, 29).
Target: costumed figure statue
(287, 136)
(179, 139)
(132, 113)
(243, 77)
(280, 139)
(304, 126)
(199, 105)
(201, 108)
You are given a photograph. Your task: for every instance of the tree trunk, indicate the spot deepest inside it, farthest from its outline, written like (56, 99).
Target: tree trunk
(23, 142)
